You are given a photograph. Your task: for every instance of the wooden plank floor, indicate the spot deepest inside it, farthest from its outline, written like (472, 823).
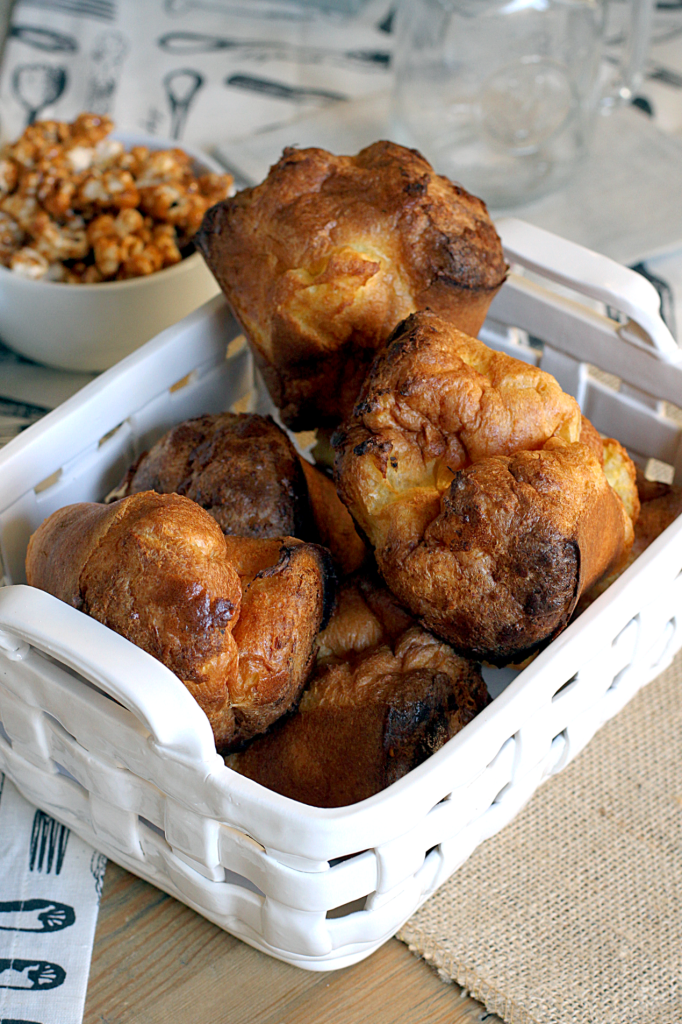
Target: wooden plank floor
(155, 961)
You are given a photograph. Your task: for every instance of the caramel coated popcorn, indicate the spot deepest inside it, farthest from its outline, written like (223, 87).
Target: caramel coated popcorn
(75, 206)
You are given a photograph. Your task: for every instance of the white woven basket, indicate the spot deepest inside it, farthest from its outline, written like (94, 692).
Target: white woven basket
(103, 737)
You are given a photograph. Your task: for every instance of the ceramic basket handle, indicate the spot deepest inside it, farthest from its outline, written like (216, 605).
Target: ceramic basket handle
(135, 679)
(590, 274)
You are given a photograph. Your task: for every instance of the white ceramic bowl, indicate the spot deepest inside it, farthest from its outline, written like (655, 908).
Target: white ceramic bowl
(92, 326)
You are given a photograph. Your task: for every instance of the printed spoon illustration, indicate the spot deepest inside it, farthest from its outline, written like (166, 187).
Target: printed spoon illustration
(25, 915)
(181, 87)
(30, 974)
(36, 86)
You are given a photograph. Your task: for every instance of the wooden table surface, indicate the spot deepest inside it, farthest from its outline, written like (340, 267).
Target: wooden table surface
(157, 962)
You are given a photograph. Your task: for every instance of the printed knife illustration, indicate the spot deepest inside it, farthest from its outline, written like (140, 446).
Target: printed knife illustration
(280, 90)
(185, 43)
(280, 10)
(45, 39)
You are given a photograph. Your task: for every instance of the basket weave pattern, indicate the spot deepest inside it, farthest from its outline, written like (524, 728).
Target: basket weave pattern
(109, 742)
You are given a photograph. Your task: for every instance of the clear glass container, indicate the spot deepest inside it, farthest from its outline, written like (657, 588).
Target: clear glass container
(501, 95)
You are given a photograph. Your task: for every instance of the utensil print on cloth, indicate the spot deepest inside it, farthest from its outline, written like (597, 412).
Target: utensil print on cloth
(36, 86)
(44, 39)
(386, 23)
(48, 843)
(104, 9)
(14, 417)
(280, 90)
(30, 974)
(287, 12)
(667, 76)
(181, 87)
(256, 49)
(98, 867)
(35, 916)
(107, 57)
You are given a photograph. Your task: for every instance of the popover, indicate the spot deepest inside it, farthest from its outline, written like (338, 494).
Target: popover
(236, 619)
(488, 510)
(321, 261)
(385, 694)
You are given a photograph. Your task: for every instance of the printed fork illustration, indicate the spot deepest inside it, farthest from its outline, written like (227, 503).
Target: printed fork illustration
(48, 844)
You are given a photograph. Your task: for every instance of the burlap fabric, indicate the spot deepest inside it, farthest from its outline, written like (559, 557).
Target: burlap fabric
(573, 913)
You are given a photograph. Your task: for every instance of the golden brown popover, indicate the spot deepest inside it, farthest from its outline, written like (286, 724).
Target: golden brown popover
(236, 619)
(660, 506)
(488, 514)
(243, 469)
(321, 260)
(384, 696)
(334, 524)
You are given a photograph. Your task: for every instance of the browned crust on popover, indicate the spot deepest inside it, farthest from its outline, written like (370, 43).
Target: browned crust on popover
(287, 596)
(241, 467)
(321, 261)
(333, 522)
(157, 569)
(245, 472)
(661, 504)
(385, 695)
(488, 514)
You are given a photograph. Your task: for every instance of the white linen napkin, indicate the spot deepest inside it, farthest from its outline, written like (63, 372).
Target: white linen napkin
(50, 887)
(200, 71)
